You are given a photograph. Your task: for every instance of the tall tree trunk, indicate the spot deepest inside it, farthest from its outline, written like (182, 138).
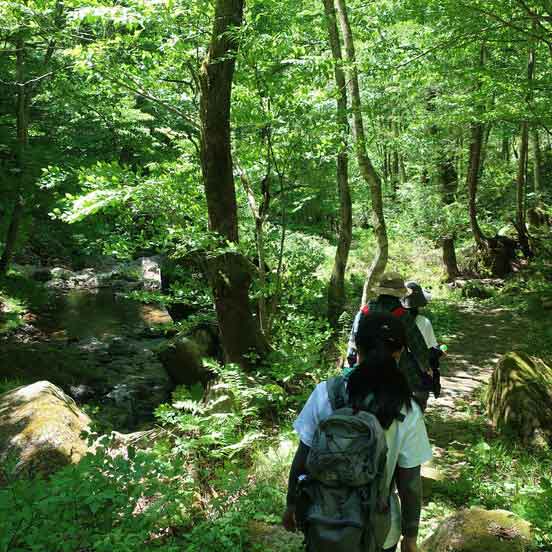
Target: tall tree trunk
(449, 185)
(484, 148)
(336, 286)
(474, 169)
(22, 108)
(369, 174)
(521, 190)
(506, 149)
(537, 164)
(396, 157)
(521, 181)
(473, 181)
(229, 272)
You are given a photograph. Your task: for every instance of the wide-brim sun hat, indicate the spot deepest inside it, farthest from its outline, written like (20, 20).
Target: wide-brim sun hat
(418, 296)
(392, 283)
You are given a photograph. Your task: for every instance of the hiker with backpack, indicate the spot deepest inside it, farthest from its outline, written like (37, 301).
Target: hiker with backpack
(416, 300)
(415, 363)
(361, 438)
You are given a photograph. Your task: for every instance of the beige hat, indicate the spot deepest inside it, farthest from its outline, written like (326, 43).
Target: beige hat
(392, 283)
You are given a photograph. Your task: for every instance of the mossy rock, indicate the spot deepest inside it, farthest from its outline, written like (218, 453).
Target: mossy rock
(182, 360)
(40, 429)
(478, 530)
(519, 399)
(263, 537)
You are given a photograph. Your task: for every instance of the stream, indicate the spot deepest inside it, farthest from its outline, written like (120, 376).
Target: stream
(98, 345)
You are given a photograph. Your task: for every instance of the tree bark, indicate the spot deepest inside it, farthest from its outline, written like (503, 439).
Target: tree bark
(521, 181)
(22, 108)
(537, 165)
(448, 178)
(369, 174)
(449, 259)
(474, 170)
(521, 190)
(473, 181)
(336, 286)
(506, 149)
(259, 217)
(229, 272)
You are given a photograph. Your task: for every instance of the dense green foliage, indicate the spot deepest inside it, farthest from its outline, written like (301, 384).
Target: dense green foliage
(100, 158)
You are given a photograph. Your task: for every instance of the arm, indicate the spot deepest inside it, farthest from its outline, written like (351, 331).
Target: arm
(298, 467)
(409, 484)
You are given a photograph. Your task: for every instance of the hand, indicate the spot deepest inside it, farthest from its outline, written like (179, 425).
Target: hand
(288, 520)
(409, 544)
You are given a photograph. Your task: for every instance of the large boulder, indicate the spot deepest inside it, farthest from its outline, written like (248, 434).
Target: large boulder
(478, 530)
(182, 360)
(40, 429)
(519, 400)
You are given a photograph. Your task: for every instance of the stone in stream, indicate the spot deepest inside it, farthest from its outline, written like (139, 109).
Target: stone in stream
(143, 273)
(478, 530)
(40, 429)
(519, 399)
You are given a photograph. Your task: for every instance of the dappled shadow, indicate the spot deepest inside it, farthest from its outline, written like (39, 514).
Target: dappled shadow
(482, 337)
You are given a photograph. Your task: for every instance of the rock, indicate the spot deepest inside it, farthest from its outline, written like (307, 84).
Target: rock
(40, 427)
(81, 392)
(431, 477)
(143, 273)
(182, 361)
(207, 340)
(273, 538)
(155, 315)
(58, 273)
(478, 530)
(519, 399)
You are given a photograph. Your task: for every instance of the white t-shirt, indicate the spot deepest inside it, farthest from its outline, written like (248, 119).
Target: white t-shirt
(407, 442)
(426, 329)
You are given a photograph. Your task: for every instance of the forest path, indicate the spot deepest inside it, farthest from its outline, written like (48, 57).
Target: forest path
(482, 336)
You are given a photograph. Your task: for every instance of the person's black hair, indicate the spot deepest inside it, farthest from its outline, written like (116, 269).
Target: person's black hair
(378, 329)
(378, 374)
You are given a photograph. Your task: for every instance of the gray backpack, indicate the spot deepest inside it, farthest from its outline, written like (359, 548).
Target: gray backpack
(348, 510)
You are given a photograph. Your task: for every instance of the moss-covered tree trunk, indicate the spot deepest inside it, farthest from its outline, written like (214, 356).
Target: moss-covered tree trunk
(336, 286)
(229, 272)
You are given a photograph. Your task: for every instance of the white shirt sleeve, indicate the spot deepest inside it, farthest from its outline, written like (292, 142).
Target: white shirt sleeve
(426, 329)
(316, 408)
(415, 448)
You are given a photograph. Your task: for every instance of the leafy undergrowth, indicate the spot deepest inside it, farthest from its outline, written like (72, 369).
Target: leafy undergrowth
(219, 465)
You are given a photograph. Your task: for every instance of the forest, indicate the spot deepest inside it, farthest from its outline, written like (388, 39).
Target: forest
(196, 197)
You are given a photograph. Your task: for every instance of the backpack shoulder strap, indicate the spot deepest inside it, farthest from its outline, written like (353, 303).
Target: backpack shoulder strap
(336, 392)
(399, 312)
